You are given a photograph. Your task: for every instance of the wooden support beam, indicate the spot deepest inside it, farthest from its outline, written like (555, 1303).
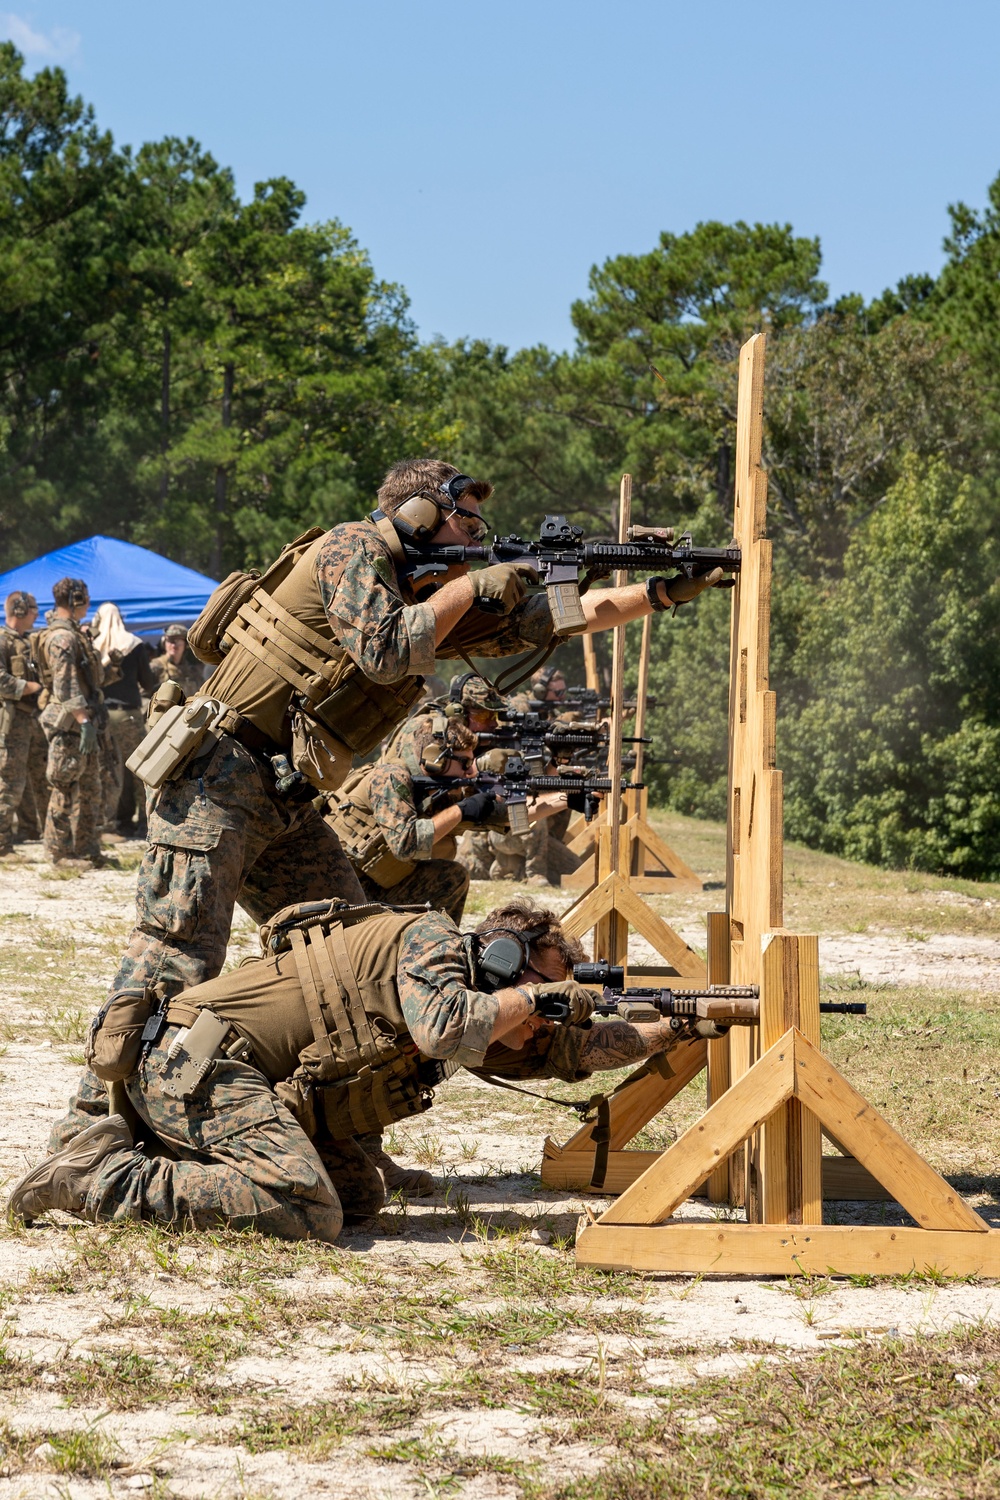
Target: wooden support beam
(844, 1179)
(700, 1150)
(791, 1144)
(773, 1250)
(717, 923)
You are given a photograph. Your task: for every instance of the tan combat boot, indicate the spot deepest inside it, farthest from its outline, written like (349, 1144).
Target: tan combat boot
(64, 1180)
(411, 1181)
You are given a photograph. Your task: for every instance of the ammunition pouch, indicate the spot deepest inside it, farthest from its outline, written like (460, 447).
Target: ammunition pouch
(174, 740)
(56, 718)
(169, 694)
(364, 843)
(114, 1042)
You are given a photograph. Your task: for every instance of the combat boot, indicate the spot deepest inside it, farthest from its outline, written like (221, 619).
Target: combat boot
(64, 1180)
(411, 1181)
(356, 1178)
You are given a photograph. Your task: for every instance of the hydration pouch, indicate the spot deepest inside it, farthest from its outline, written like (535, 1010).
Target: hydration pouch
(114, 1042)
(205, 636)
(173, 740)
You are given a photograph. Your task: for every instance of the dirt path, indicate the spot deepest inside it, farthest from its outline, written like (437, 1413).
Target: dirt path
(417, 1358)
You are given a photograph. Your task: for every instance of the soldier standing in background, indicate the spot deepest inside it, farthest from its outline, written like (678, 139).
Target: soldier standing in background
(177, 663)
(126, 726)
(72, 717)
(22, 759)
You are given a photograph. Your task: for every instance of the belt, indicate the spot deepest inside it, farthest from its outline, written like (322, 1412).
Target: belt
(245, 731)
(233, 1043)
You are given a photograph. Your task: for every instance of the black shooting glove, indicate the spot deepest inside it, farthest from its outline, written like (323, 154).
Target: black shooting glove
(564, 1000)
(478, 808)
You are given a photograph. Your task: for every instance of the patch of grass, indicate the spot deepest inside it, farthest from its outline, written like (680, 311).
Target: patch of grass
(313, 1432)
(888, 1419)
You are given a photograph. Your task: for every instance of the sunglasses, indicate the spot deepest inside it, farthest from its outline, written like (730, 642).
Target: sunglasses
(475, 526)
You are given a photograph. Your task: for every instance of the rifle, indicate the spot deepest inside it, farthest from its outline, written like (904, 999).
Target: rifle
(560, 555)
(515, 786)
(692, 1013)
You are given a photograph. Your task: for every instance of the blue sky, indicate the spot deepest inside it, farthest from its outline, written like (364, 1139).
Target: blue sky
(488, 154)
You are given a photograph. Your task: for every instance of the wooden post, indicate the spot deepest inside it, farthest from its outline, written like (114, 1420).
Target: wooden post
(593, 681)
(726, 1182)
(611, 932)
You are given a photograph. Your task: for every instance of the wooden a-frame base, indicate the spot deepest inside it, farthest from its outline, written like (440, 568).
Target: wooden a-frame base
(633, 1232)
(612, 908)
(651, 863)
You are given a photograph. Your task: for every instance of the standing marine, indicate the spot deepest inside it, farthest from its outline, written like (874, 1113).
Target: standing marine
(73, 716)
(22, 744)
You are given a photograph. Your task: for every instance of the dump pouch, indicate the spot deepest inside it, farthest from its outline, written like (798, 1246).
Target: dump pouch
(321, 757)
(173, 740)
(114, 1041)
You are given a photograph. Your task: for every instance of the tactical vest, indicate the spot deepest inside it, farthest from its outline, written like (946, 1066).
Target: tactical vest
(21, 665)
(353, 821)
(362, 1070)
(87, 659)
(280, 660)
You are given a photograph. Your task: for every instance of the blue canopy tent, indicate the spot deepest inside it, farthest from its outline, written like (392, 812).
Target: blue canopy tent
(150, 591)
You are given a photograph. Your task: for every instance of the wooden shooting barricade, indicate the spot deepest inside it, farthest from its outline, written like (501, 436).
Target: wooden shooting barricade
(648, 859)
(772, 1093)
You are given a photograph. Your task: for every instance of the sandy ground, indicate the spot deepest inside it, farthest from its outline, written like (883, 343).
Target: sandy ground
(251, 1335)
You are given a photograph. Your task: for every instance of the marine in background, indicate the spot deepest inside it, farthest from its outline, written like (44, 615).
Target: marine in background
(177, 663)
(72, 716)
(402, 852)
(124, 798)
(22, 744)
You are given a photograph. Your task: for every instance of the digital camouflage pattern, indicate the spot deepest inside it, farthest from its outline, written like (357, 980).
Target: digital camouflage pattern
(75, 812)
(189, 672)
(389, 636)
(23, 787)
(217, 836)
(442, 882)
(261, 1170)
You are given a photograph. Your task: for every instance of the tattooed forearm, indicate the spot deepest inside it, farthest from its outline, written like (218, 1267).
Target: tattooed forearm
(613, 1044)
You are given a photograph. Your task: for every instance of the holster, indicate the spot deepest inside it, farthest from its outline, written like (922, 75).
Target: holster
(174, 739)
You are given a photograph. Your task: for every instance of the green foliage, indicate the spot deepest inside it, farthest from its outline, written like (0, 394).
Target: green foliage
(892, 757)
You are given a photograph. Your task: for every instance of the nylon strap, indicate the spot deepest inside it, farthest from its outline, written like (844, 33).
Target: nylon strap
(310, 992)
(343, 975)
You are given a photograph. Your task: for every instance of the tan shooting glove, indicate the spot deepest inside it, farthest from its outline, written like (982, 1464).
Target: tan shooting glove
(680, 590)
(500, 588)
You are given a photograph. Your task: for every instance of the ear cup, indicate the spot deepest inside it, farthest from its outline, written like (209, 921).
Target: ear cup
(419, 517)
(501, 961)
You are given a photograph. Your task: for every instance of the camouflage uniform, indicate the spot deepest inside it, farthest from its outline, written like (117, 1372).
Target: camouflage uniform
(409, 835)
(242, 1159)
(22, 746)
(76, 806)
(221, 832)
(188, 672)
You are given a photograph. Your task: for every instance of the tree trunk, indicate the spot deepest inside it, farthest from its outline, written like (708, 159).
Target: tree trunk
(222, 472)
(165, 413)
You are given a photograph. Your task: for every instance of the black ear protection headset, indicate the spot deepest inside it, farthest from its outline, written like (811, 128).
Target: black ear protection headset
(419, 516)
(458, 684)
(495, 965)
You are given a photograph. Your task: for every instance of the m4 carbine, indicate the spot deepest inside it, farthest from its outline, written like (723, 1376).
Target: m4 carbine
(692, 1013)
(514, 788)
(560, 556)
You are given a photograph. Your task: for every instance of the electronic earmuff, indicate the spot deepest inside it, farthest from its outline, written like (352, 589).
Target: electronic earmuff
(437, 752)
(419, 516)
(497, 964)
(540, 688)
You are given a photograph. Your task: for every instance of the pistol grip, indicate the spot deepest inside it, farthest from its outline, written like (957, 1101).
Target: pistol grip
(567, 611)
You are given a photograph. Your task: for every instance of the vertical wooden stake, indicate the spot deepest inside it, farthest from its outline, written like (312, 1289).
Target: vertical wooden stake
(611, 932)
(593, 681)
(718, 1052)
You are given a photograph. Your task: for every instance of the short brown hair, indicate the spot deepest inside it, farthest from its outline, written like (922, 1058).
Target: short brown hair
(20, 603)
(524, 916)
(69, 592)
(456, 736)
(422, 476)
